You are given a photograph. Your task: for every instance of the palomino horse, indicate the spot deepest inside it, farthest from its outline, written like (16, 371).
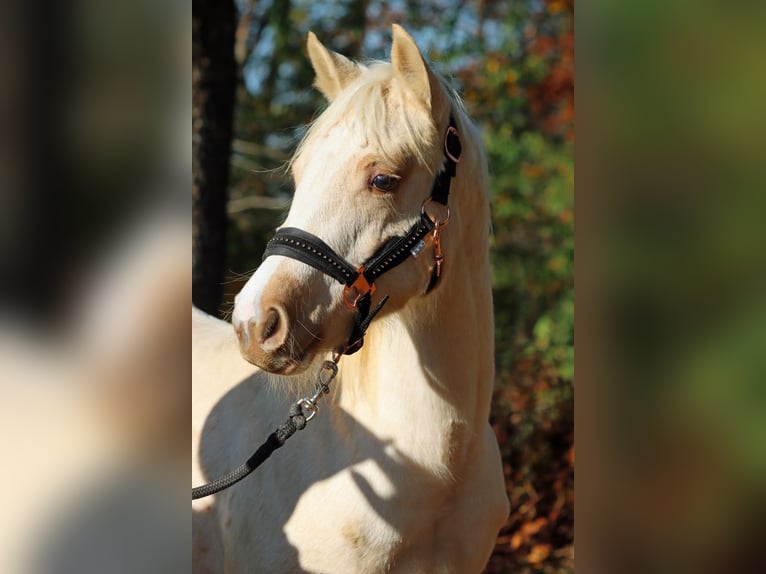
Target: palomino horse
(400, 470)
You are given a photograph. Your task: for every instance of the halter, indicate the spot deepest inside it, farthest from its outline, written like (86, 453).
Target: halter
(359, 282)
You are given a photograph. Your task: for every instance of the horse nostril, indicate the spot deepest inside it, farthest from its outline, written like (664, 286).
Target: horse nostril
(273, 329)
(270, 324)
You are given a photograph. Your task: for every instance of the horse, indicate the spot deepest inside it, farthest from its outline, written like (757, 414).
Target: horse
(400, 470)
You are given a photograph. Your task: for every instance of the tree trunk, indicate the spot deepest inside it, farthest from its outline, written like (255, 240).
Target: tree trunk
(213, 83)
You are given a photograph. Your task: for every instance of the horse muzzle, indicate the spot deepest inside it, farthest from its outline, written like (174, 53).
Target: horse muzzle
(272, 342)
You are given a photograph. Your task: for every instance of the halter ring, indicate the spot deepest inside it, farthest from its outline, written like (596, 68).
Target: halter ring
(436, 222)
(453, 154)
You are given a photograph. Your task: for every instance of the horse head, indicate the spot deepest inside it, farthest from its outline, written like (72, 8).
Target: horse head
(362, 174)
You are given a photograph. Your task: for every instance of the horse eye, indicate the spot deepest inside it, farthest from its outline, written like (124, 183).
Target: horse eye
(385, 183)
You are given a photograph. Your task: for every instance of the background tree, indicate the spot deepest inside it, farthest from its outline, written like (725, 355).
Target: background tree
(213, 81)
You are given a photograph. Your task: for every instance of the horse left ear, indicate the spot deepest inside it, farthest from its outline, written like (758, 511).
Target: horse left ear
(412, 71)
(333, 71)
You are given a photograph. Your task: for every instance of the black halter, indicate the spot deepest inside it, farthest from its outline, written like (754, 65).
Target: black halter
(359, 283)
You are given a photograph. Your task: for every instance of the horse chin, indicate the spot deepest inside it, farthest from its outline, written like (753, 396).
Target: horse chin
(283, 364)
(297, 366)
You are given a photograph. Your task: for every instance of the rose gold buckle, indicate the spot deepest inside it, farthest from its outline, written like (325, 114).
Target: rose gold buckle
(360, 287)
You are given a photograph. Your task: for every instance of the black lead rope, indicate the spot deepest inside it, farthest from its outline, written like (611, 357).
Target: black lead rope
(295, 422)
(359, 286)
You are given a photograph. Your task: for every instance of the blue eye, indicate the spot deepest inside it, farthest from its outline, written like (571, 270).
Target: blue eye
(384, 182)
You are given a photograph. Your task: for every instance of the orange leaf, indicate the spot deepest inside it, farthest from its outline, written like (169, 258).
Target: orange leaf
(539, 553)
(516, 541)
(532, 528)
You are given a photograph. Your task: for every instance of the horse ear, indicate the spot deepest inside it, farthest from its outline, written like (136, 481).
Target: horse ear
(333, 71)
(412, 71)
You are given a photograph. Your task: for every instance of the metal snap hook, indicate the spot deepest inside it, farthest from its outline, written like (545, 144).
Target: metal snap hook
(332, 368)
(310, 406)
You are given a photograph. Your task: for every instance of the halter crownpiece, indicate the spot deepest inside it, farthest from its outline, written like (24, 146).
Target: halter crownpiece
(359, 282)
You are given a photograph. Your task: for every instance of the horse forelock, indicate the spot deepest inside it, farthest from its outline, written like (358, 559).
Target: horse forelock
(375, 110)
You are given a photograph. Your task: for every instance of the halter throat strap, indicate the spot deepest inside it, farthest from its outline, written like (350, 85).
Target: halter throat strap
(359, 283)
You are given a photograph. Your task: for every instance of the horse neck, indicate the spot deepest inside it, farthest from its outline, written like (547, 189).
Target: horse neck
(430, 365)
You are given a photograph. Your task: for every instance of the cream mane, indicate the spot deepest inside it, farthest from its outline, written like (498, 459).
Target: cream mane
(372, 107)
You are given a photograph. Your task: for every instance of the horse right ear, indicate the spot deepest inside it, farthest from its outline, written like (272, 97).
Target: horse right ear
(333, 71)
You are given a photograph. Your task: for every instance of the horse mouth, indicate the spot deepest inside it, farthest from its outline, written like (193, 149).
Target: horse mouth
(297, 363)
(292, 357)
(289, 364)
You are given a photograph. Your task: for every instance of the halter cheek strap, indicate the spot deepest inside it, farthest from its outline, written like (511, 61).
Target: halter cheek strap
(359, 283)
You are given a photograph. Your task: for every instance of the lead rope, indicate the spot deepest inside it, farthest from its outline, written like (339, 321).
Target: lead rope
(301, 412)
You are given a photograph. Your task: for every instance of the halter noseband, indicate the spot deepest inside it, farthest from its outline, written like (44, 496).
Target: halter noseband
(359, 283)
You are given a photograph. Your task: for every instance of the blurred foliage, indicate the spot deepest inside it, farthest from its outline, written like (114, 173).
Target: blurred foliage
(676, 383)
(512, 63)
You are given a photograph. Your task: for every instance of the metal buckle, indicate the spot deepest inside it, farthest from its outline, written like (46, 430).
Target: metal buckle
(360, 287)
